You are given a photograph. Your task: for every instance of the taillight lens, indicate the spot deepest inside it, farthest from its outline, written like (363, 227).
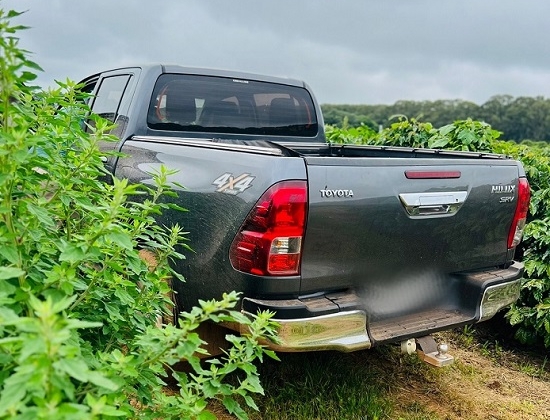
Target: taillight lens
(270, 239)
(520, 216)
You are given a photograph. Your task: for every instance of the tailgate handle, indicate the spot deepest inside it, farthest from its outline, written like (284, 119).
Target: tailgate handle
(433, 203)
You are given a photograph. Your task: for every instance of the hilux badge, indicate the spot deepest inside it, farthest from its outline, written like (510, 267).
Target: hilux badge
(503, 189)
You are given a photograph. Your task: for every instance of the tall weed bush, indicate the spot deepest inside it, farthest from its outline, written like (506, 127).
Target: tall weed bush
(78, 306)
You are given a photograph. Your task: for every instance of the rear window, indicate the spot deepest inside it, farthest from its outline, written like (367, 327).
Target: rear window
(224, 105)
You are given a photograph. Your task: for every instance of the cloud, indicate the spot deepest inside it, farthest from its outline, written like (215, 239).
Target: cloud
(349, 51)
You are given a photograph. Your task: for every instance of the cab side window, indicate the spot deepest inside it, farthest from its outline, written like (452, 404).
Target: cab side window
(109, 96)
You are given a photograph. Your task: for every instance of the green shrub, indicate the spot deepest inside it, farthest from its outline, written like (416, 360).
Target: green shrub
(78, 306)
(355, 135)
(466, 135)
(530, 315)
(407, 133)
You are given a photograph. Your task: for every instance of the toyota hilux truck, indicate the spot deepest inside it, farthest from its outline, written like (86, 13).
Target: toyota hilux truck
(349, 246)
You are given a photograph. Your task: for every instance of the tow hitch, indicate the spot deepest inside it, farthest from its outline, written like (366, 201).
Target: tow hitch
(428, 351)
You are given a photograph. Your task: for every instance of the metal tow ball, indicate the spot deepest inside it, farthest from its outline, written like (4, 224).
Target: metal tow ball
(432, 353)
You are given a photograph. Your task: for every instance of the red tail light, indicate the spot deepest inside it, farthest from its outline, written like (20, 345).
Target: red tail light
(522, 208)
(270, 239)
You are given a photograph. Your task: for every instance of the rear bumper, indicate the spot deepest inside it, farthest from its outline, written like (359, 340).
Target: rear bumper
(339, 321)
(343, 331)
(498, 297)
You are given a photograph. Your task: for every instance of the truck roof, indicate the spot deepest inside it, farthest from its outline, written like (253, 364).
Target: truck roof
(175, 68)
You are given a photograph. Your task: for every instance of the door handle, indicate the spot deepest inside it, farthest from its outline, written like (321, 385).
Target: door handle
(433, 203)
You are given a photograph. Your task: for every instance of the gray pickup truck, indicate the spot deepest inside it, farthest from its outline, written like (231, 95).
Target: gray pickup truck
(350, 246)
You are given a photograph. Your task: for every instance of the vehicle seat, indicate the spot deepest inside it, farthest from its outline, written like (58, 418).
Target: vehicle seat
(180, 108)
(282, 112)
(220, 114)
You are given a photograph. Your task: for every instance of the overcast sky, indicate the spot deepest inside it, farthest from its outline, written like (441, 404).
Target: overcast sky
(348, 51)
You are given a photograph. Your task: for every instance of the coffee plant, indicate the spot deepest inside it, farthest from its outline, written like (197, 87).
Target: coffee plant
(530, 315)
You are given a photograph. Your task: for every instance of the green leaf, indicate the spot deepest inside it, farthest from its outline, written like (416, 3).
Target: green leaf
(100, 380)
(12, 14)
(7, 315)
(32, 65)
(75, 368)
(78, 324)
(10, 253)
(466, 137)
(63, 304)
(206, 415)
(122, 239)
(439, 143)
(447, 129)
(234, 408)
(41, 214)
(15, 388)
(271, 354)
(109, 410)
(11, 395)
(10, 272)
(250, 402)
(72, 254)
(35, 345)
(254, 382)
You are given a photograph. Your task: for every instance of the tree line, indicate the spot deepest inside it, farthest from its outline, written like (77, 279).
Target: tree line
(518, 118)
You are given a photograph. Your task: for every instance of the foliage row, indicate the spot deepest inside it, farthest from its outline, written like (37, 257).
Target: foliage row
(530, 315)
(79, 308)
(517, 118)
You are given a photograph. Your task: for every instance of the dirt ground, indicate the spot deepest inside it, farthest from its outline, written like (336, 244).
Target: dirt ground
(486, 382)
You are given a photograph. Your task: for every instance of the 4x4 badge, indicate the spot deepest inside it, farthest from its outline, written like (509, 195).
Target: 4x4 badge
(230, 184)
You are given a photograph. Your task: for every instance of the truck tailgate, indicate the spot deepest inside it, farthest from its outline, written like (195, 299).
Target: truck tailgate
(397, 230)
